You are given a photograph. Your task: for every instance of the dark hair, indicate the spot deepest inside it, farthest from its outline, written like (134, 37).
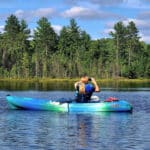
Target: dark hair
(89, 79)
(83, 75)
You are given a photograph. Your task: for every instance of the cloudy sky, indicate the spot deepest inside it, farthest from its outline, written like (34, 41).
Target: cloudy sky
(96, 17)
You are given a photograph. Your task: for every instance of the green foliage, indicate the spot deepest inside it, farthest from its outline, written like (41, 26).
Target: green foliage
(129, 51)
(14, 43)
(45, 40)
(71, 53)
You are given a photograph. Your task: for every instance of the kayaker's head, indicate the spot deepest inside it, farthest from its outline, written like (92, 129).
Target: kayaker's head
(84, 79)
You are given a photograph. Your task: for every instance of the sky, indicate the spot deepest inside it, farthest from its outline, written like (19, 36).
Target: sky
(96, 17)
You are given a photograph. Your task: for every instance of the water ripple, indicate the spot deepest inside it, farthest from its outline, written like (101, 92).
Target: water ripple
(39, 130)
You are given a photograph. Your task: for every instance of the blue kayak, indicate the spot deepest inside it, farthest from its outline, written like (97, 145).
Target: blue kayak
(28, 103)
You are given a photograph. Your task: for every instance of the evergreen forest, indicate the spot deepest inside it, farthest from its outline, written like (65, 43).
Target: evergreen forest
(46, 54)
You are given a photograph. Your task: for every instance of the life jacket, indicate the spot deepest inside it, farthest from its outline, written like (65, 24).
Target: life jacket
(81, 87)
(84, 92)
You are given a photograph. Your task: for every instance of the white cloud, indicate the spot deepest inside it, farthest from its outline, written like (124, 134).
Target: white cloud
(87, 13)
(145, 38)
(147, 1)
(19, 13)
(142, 25)
(41, 12)
(144, 15)
(1, 29)
(97, 2)
(111, 3)
(107, 31)
(135, 4)
(132, 3)
(57, 28)
(106, 2)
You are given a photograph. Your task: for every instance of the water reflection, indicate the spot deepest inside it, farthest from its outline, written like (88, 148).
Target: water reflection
(76, 131)
(92, 130)
(45, 130)
(66, 85)
(31, 130)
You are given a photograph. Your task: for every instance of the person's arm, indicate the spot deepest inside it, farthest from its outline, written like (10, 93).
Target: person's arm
(97, 89)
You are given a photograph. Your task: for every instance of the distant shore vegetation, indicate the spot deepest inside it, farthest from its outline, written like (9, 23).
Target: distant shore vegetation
(47, 55)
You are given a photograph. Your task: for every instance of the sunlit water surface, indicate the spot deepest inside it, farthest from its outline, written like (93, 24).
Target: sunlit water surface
(44, 130)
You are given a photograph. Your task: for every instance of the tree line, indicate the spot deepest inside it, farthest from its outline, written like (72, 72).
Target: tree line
(72, 52)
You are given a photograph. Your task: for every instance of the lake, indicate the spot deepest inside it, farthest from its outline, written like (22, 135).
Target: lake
(44, 130)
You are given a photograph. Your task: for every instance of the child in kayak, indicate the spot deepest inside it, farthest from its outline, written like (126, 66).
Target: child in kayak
(85, 88)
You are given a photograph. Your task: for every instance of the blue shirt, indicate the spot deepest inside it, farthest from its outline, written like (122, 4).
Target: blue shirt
(84, 98)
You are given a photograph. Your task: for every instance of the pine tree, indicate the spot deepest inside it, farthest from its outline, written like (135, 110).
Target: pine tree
(45, 45)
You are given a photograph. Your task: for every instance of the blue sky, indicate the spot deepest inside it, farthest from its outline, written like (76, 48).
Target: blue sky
(96, 17)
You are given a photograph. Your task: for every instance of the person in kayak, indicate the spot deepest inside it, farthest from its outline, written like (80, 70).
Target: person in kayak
(85, 88)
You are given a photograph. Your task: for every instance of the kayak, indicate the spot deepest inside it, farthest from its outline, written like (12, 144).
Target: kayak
(27, 103)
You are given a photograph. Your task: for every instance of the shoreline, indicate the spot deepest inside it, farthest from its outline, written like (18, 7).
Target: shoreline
(71, 80)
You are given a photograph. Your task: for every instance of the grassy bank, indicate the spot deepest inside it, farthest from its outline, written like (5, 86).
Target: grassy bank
(70, 80)
(68, 84)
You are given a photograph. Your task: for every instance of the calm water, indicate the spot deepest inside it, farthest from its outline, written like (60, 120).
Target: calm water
(43, 130)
